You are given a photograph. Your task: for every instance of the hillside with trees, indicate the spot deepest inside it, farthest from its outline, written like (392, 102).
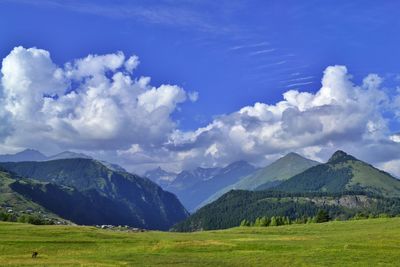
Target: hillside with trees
(118, 197)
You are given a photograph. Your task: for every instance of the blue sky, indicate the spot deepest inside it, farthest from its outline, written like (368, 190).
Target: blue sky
(233, 53)
(239, 52)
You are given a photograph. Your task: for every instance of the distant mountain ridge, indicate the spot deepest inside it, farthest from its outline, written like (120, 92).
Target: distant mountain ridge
(192, 187)
(68, 155)
(35, 155)
(147, 205)
(25, 155)
(188, 178)
(269, 176)
(160, 176)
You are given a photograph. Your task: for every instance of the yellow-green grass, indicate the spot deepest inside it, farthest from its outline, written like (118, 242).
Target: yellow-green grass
(369, 242)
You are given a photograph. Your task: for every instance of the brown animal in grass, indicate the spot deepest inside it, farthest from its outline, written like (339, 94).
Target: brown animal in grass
(34, 254)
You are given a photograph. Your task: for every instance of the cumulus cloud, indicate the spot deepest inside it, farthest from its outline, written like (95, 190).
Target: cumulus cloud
(395, 138)
(90, 103)
(131, 63)
(339, 115)
(96, 105)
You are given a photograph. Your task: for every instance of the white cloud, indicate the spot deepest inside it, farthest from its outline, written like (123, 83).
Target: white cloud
(29, 72)
(90, 103)
(392, 166)
(131, 63)
(135, 148)
(95, 105)
(166, 96)
(193, 96)
(395, 138)
(339, 115)
(94, 65)
(212, 150)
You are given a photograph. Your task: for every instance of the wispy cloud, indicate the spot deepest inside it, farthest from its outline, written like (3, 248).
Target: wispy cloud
(164, 13)
(298, 84)
(264, 51)
(285, 70)
(300, 79)
(238, 47)
(280, 62)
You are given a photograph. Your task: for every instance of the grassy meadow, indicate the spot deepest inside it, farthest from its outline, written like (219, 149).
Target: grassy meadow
(368, 242)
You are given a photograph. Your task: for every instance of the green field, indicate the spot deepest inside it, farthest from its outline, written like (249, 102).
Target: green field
(353, 243)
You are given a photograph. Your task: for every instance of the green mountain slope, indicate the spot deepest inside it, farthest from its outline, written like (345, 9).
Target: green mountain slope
(269, 176)
(55, 202)
(343, 186)
(343, 172)
(12, 200)
(87, 208)
(153, 207)
(230, 209)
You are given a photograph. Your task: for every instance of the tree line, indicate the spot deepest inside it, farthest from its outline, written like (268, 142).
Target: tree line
(321, 217)
(32, 219)
(230, 209)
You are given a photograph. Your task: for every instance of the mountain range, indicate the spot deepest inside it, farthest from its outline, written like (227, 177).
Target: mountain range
(195, 186)
(73, 187)
(289, 165)
(269, 176)
(25, 155)
(344, 185)
(34, 155)
(161, 177)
